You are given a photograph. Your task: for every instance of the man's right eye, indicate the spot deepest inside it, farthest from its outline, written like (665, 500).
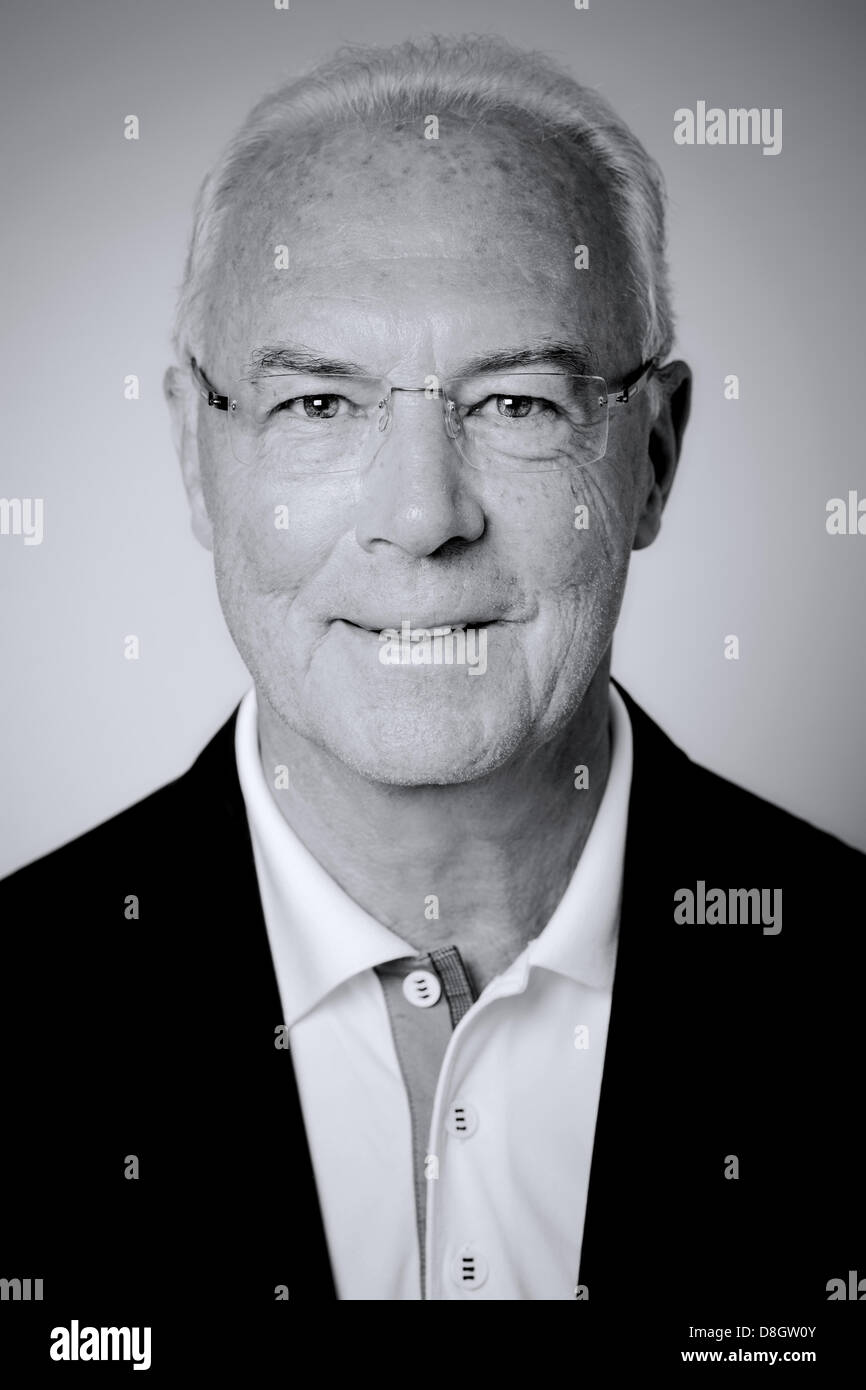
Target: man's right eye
(318, 407)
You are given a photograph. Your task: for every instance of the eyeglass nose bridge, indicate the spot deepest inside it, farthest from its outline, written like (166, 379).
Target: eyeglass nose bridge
(453, 425)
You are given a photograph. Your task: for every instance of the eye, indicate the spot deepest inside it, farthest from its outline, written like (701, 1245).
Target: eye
(507, 405)
(317, 407)
(515, 407)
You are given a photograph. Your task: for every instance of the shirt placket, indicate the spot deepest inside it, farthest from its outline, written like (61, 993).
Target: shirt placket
(425, 997)
(455, 1268)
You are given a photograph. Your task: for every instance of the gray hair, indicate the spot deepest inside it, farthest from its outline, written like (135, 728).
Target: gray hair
(473, 77)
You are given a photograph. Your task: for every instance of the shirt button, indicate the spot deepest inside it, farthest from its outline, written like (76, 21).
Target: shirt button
(462, 1120)
(468, 1268)
(422, 988)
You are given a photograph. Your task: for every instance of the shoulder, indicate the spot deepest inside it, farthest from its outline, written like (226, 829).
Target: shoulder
(160, 832)
(723, 819)
(113, 925)
(765, 829)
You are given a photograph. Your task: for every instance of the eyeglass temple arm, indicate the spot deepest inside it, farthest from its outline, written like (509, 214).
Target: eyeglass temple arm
(205, 388)
(634, 383)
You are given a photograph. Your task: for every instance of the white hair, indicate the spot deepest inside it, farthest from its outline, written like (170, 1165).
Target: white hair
(474, 77)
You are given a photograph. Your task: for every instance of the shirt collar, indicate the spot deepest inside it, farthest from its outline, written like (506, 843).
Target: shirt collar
(580, 939)
(319, 936)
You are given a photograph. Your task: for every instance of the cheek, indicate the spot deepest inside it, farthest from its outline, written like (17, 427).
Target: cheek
(272, 532)
(569, 533)
(603, 500)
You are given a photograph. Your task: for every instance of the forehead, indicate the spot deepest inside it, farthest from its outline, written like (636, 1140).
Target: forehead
(402, 248)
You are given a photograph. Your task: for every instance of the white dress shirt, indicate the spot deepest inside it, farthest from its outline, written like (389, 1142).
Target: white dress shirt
(505, 1214)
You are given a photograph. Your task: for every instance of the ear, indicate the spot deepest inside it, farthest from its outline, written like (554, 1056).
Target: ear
(664, 444)
(183, 410)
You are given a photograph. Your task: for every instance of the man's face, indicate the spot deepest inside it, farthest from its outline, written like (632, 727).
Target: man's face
(410, 257)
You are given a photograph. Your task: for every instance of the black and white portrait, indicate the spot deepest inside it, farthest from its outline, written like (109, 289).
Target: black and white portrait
(433, 526)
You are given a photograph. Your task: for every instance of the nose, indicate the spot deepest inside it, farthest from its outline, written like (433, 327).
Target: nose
(416, 493)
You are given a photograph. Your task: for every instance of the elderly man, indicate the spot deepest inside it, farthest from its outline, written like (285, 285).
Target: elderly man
(443, 973)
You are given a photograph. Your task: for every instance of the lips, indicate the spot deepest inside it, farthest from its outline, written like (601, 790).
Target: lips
(416, 633)
(436, 627)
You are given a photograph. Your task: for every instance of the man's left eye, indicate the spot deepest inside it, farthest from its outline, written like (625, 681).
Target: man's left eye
(515, 407)
(510, 407)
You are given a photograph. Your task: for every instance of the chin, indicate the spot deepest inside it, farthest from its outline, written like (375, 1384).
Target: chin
(388, 769)
(402, 753)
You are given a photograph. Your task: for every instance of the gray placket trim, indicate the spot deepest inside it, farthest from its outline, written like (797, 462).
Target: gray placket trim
(421, 1037)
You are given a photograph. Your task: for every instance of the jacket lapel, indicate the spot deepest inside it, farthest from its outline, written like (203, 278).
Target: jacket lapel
(252, 1092)
(639, 1108)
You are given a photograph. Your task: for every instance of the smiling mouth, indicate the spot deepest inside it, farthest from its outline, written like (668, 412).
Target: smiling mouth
(417, 634)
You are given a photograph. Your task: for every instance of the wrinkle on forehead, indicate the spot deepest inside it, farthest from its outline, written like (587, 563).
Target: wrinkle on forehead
(366, 214)
(447, 197)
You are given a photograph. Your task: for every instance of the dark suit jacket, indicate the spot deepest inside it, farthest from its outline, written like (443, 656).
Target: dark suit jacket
(154, 1036)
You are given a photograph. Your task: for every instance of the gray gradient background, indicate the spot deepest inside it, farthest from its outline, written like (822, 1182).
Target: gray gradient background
(766, 260)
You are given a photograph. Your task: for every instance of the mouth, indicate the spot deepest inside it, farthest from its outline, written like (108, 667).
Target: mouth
(417, 633)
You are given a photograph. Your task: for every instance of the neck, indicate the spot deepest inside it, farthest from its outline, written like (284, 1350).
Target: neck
(481, 865)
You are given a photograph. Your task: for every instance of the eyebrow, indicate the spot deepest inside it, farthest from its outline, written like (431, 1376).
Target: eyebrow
(573, 357)
(294, 357)
(277, 358)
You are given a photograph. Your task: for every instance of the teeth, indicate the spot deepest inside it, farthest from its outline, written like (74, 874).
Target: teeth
(418, 632)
